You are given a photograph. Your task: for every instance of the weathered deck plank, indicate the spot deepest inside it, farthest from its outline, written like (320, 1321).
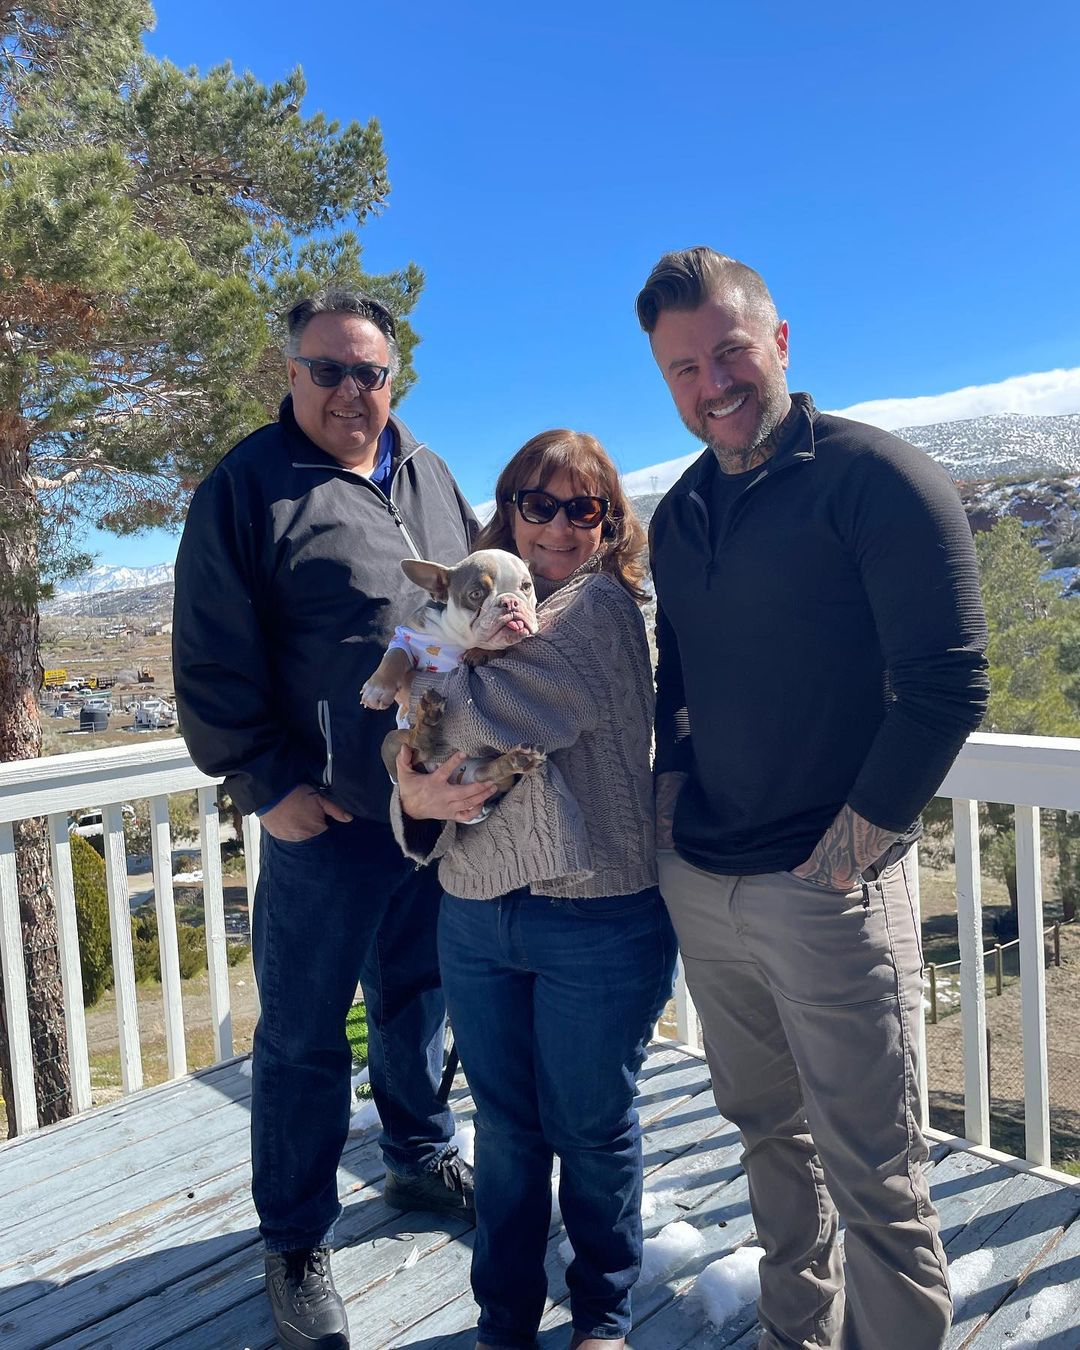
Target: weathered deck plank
(131, 1228)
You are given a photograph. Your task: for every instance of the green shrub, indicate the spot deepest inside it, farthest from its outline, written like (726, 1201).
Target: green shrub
(190, 942)
(92, 919)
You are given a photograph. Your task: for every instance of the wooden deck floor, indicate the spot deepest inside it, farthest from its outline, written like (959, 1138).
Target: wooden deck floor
(132, 1228)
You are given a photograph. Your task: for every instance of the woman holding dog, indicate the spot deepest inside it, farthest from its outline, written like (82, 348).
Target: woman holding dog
(556, 950)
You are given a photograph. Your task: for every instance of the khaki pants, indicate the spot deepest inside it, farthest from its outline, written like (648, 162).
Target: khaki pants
(808, 1000)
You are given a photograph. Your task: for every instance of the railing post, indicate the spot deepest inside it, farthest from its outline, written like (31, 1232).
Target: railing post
(16, 1009)
(217, 958)
(972, 970)
(931, 970)
(127, 1006)
(252, 862)
(1032, 985)
(67, 932)
(686, 1019)
(910, 865)
(999, 969)
(1057, 944)
(168, 943)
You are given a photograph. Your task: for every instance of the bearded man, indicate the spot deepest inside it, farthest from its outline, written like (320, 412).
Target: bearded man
(821, 646)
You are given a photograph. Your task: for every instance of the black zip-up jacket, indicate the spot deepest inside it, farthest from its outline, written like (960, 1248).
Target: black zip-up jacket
(288, 587)
(821, 645)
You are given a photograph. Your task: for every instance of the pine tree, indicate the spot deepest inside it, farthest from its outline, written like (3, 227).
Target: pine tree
(154, 222)
(1034, 659)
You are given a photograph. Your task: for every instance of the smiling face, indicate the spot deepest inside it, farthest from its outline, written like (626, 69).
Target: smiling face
(346, 421)
(725, 367)
(558, 548)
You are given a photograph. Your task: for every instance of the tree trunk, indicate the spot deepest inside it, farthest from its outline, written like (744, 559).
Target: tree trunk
(20, 738)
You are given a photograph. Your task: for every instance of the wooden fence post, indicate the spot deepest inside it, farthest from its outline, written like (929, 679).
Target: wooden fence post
(1057, 944)
(999, 969)
(932, 970)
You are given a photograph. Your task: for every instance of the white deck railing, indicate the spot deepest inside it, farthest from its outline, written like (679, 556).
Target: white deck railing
(1023, 771)
(54, 787)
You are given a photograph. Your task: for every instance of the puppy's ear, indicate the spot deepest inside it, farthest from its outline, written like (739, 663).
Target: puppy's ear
(431, 577)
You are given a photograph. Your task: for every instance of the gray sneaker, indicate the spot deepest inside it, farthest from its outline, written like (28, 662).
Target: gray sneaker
(446, 1189)
(308, 1311)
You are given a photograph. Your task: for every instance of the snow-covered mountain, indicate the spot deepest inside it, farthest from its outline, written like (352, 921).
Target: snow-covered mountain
(105, 578)
(1019, 446)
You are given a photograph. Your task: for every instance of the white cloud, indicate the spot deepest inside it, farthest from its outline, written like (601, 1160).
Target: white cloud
(1046, 394)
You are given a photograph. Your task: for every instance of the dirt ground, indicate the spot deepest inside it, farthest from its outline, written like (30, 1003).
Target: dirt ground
(103, 1045)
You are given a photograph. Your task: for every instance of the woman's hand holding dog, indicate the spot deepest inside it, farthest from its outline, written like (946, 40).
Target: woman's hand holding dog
(437, 795)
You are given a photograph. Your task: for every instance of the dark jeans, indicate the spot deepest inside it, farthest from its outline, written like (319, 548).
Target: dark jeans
(552, 1004)
(341, 908)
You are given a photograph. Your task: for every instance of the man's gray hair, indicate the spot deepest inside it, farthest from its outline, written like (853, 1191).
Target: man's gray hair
(686, 279)
(338, 300)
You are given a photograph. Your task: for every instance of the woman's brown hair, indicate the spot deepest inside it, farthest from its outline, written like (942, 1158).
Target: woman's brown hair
(589, 467)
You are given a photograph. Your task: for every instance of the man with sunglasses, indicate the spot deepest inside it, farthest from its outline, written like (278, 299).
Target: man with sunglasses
(288, 587)
(821, 642)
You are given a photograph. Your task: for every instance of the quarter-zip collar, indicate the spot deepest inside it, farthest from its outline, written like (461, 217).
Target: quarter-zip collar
(795, 443)
(306, 454)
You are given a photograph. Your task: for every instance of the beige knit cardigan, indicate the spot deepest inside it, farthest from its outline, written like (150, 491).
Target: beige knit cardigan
(582, 690)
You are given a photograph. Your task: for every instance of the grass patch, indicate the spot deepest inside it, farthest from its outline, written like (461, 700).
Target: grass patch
(356, 1031)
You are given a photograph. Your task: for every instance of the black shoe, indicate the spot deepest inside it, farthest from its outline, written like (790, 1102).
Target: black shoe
(308, 1311)
(446, 1189)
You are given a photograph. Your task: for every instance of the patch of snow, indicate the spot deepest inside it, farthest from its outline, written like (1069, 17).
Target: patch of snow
(1047, 1307)
(648, 1204)
(670, 1250)
(464, 1140)
(967, 1274)
(727, 1286)
(245, 1068)
(364, 1119)
(187, 878)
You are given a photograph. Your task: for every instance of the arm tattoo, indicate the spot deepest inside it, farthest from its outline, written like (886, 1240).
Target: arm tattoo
(847, 846)
(668, 787)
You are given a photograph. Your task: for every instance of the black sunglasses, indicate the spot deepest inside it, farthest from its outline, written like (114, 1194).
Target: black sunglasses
(539, 507)
(329, 374)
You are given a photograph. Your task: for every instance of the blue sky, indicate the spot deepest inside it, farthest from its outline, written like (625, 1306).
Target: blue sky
(903, 176)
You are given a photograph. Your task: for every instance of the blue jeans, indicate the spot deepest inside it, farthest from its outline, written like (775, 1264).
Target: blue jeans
(552, 1004)
(342, 908)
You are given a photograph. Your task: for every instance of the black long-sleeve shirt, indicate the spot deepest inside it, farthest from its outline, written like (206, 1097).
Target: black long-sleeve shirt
(822, 644)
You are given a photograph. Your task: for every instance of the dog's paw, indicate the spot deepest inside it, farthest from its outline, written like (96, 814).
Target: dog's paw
(525, 758)
(376, 696)
(432, 707)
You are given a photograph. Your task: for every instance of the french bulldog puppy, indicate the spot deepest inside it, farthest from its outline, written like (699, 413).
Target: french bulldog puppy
(478, 608)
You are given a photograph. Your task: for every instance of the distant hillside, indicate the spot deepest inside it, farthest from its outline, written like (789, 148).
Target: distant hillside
(1008, 464)
(1010, 445)
(140, 604)
(106, 578)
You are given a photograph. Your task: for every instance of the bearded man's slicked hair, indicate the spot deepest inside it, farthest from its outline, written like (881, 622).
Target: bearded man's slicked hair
(686, 279)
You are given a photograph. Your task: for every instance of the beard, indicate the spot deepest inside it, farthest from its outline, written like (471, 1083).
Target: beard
(772, 400)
